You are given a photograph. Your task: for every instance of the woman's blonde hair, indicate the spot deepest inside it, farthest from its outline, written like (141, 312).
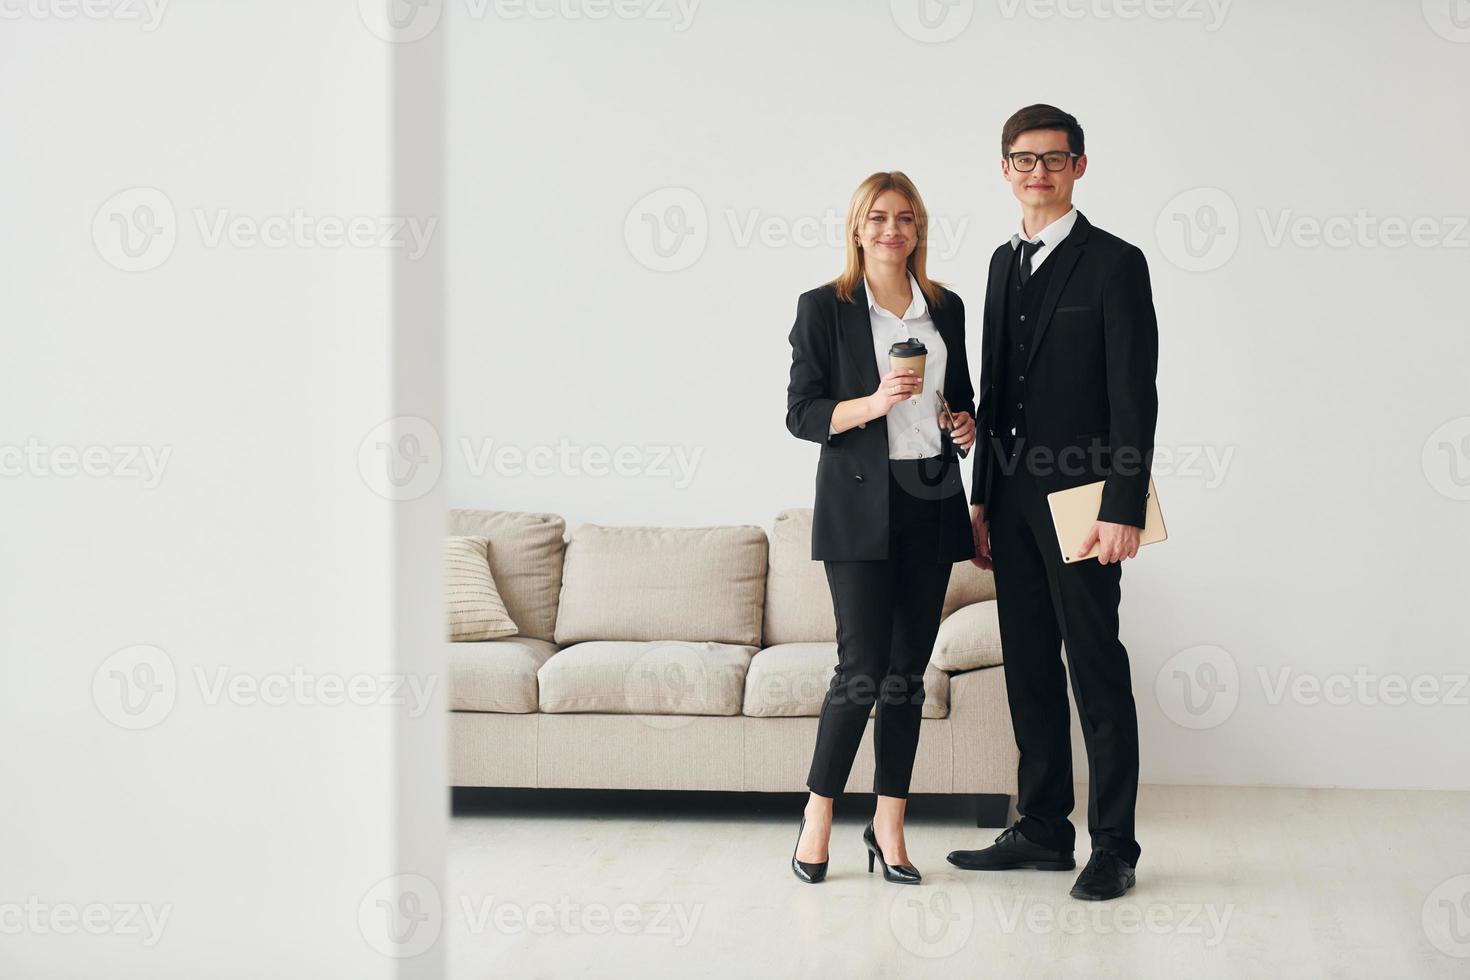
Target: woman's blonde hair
(857, 212)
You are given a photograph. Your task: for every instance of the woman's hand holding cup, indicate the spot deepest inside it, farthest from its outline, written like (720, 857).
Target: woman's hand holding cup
(896, 385)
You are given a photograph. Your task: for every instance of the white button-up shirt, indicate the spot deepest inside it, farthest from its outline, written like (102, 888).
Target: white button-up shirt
(1050, 237)
(913, 424)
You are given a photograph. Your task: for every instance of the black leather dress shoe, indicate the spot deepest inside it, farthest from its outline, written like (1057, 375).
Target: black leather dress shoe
(1106, 876)
(1013, 850)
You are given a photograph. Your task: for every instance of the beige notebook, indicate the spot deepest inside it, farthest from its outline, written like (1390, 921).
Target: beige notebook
(1074, 511)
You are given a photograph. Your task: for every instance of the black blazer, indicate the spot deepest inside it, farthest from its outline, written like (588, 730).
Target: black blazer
(1091, 401)
(832, 360)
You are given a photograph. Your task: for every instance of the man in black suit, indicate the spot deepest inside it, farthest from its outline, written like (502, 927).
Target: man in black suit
(1067, 397)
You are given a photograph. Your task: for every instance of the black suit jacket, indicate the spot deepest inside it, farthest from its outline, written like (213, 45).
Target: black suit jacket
(1091, 401)
(832, 360)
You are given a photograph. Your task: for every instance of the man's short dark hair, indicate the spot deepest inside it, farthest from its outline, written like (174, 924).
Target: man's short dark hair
(1041, 117)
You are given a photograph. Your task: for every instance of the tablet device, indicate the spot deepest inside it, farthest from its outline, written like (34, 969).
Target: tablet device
(1074, 511)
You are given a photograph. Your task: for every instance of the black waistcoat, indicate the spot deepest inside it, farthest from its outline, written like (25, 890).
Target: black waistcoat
(1018, 325)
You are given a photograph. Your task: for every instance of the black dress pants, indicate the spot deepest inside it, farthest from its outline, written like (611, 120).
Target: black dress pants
(1041, 601)
(887, 618)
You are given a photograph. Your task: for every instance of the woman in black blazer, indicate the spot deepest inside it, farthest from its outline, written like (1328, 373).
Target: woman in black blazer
(891, 516)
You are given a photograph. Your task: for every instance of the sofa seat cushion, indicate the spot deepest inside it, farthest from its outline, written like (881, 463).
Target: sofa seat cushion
(968, 639)
(657, 677)
(497, 675)
(790, 680)
(656, 583)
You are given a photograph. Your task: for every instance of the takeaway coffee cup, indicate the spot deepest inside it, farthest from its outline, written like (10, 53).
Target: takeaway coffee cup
(908, 354)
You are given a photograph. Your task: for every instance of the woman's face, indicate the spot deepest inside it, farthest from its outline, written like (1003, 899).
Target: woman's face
(889, 232)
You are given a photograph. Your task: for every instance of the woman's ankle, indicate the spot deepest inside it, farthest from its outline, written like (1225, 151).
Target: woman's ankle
(818, 809)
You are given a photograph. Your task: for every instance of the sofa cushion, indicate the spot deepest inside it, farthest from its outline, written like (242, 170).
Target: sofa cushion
(476, 611)
(799, 601)
(967, 584)
(790, 680)
(525, 559)
(496, 676)
(968, 639)
(648, 678)
(663, 583)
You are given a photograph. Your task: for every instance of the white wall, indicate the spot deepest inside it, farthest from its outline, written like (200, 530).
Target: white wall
(265, 554)
(1327, 536)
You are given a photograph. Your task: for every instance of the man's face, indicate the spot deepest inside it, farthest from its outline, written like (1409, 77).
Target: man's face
(1042, 188)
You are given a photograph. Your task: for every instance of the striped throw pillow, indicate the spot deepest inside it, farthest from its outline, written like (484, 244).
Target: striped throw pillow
(476, 611)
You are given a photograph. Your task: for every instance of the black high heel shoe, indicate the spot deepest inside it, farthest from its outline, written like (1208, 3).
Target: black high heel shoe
(903, 874)
(810, 872)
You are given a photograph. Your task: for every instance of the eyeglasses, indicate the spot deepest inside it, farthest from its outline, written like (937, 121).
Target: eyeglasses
(1054, 161)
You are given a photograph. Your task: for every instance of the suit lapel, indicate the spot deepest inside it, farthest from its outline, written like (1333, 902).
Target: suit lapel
(1066, 257)
(994, 307)
(857, 337)
(944, 325)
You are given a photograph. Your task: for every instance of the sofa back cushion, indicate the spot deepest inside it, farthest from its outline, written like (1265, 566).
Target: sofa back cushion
(663, 583)
(967, 585)
(526, 552)
(799, 601)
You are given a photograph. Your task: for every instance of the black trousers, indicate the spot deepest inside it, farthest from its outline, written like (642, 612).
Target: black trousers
(1041, 601)
(887, 615)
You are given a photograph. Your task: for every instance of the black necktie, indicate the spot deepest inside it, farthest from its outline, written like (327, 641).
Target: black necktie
(1028, 249)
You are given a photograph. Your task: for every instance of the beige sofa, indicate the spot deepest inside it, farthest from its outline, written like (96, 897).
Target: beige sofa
(695, 659)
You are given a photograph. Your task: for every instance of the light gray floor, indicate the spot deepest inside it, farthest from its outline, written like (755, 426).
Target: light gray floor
(1233, 882)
